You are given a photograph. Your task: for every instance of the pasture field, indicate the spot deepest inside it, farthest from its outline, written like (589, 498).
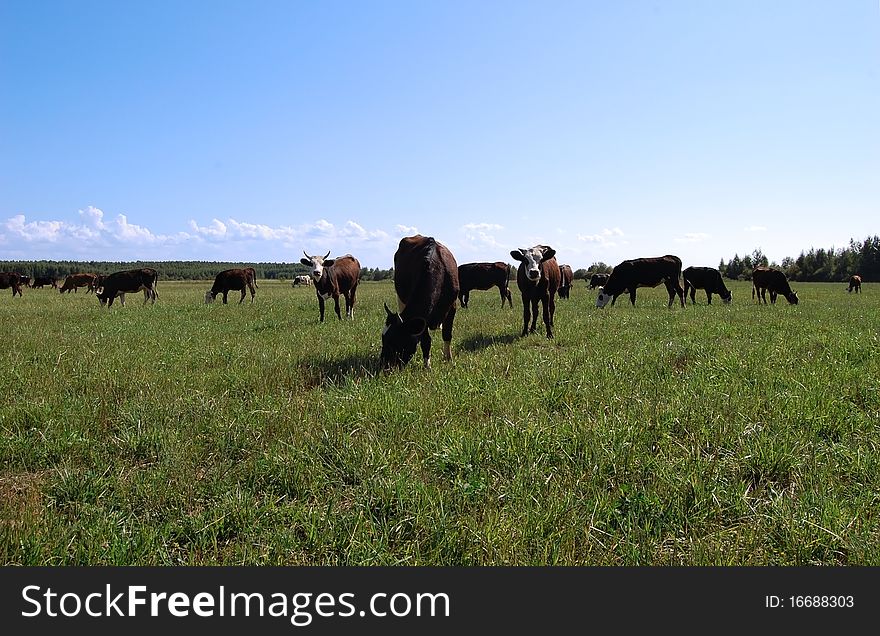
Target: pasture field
(185, 433)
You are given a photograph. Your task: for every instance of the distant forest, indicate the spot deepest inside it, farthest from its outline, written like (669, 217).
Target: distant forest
(170, 270)
(815, 265)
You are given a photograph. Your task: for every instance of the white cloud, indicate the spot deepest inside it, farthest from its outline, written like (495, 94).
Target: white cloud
(216, 229)
(606, 238)
(755, 228)
(692, 237)
(481, 235)
(406, 230)
(356, 231)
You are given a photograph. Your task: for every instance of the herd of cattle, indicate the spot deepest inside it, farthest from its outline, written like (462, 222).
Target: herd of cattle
(429, 285)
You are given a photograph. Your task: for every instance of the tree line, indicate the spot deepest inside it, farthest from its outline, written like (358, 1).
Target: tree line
(821, 265)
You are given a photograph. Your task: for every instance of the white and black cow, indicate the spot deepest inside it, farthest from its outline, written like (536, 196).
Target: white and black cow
(766, 279)
(707, 278)
(334, 276)
(538, 280)
(128, 282)
(598, 280)
(426, 283)
(643, 272)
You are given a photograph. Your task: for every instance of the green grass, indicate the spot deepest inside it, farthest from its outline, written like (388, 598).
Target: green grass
(182, 433)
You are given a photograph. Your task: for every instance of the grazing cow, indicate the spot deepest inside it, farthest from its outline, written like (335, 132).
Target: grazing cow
(484, 276)
(75, 281)
(566, 277)
(855, 283)
(232, 279)
(707, 278)
(598, 280)
(129, 282)
(302, 280)
(333, 277)
(25, 280)
(767, 278)
(11, 279)
(253, 276)
(98, 284)
(538, 280)
(427, 286)
(643, 272)
(40, 281)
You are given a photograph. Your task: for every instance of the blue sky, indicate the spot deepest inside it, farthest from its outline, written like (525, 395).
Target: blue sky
(251, 131)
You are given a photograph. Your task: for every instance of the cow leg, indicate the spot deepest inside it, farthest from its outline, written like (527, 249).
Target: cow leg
(632, 296)
(243, 294)
(509, 299)
(708, 297)
(446, 333)
(534, 315)
(773, 296)
(547, 305)
(525, 302)
(425, 341)
(463, 298)
(336, 306)
(321, 306)
(225, 294)
(349, 302)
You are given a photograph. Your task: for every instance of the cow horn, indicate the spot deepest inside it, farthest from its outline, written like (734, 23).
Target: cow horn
(307, 256)
(326, 255)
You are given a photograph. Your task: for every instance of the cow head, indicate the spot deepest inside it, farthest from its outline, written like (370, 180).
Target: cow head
(726, 300)
(532, 258)
(603, 299)
(209, 297)
(400, 338)
(792, 298)
(317, 263)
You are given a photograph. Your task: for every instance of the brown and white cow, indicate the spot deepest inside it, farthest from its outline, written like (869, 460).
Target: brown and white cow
(75, 281)
(598, 280)
(333, 277)
(484, 276)
(41, 281)
(11, 279)
(774, 280)
(128, 282)
(643, 272)
(566, 278)
(855, 283)
(427, 286)
(538, 280)
(232, 279)
(302, 280)
(707, 278)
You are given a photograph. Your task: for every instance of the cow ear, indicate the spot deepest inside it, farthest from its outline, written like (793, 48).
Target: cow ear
(306, 262)
(330, 262)
(517, 254)
(415, 326)
(548, 254)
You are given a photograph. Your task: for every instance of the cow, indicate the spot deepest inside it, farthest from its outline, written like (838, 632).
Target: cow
(707, 278)
(98, 284)
(333, 277)
(427, 286)
(484, 276)
(598, 280)
(232, 279)
(855, 283)
(302, 280)
(538, 280)
(253, 276)
(767, 278)
(75, 281)
(643, 272)
(566, 277)
(13, 280)
(24, 280)
(41, 281)
(129, 282)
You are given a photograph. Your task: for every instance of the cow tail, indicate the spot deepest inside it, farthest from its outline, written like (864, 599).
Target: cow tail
(156, 286)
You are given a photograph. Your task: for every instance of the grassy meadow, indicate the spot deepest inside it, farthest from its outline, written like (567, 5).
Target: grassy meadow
(185, 433)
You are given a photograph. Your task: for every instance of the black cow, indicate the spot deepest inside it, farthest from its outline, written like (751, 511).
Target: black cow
(566, 277)
(643, 272)
(232, 279)
(707, 278)
(333, 277)
(426, 283)
(129, 282)
(11, 279)
(597, 280)
(855, 283)
(538, 280)
(41, 281)
(484, 276)
(767, 278)
(25, 280)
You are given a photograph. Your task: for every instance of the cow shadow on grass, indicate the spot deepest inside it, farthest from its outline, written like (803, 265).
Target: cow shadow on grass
(356, 367)
(480, 341)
